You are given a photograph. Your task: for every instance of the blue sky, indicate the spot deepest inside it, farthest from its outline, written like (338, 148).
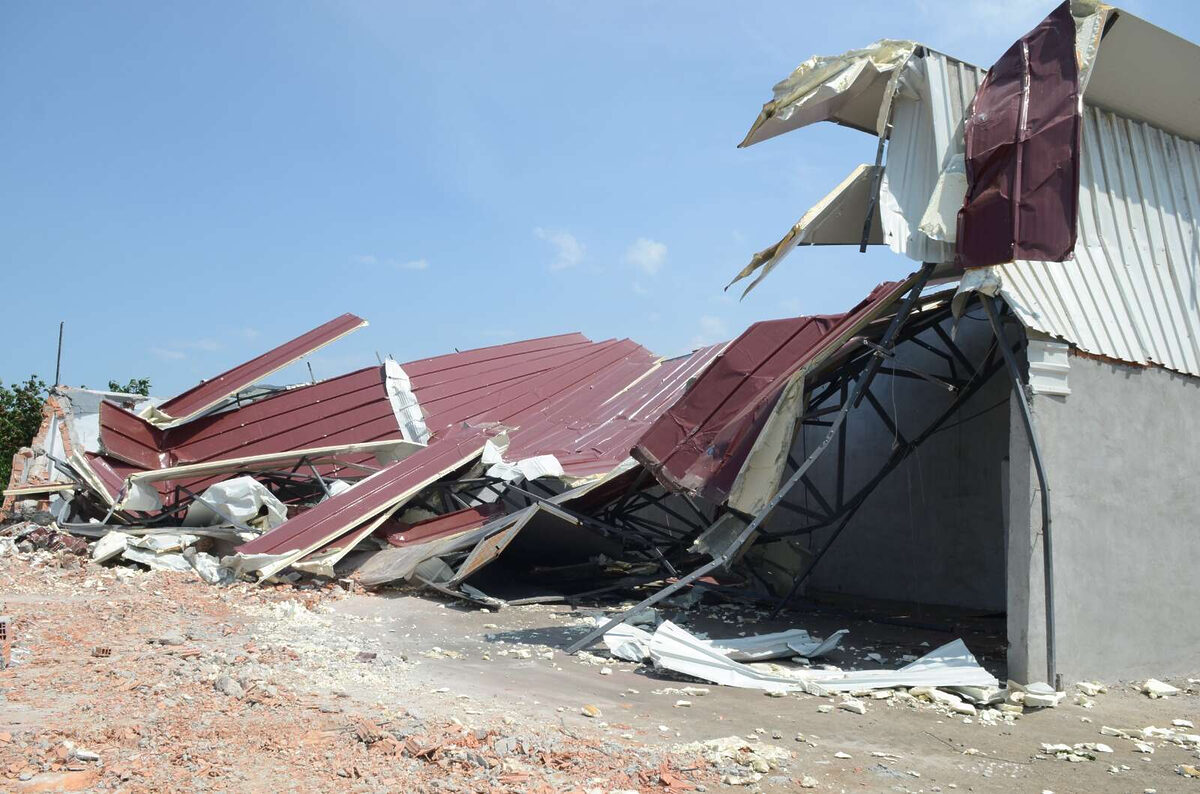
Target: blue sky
(189, 184)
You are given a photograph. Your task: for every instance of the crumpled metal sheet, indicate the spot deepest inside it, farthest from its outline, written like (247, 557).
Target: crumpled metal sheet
(700, 444)
(1022, 159)
(1127, 294)
(846, 88)
(383, 490)
(837, 219)
(241, 499)
(216, 390)
(913, 198)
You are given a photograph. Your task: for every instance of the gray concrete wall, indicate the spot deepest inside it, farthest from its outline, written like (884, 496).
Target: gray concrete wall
(933, 531)
(1121, 454)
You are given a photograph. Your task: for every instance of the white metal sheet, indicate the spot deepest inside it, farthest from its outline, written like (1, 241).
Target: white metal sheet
(1132, 291)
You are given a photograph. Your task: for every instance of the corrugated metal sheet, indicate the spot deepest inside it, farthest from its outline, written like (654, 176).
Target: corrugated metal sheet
(927, 119)
(837, 219)
(214, 391)
(1023, 151)
(130, 438)
(591, 430)
(584, 402)
(400, 534)
(1133, 290)
(386, 488)
(347, 409)
(700, 443)
(923, 178)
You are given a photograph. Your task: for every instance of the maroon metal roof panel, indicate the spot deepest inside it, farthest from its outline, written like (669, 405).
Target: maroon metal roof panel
(211, 392)
(338, 514)
(455, 393)
(130, 438)
(397, 533)
(1022, 160)
(591, 429)
(110, 472)
(350, 408)
(454, 363)
(699, 443)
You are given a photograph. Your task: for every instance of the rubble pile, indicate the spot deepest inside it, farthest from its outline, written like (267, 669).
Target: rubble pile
(190, 693)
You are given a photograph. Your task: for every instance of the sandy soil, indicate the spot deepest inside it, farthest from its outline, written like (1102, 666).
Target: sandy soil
(290, 689)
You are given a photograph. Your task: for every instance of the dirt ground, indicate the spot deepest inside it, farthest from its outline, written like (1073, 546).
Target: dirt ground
(128, 680)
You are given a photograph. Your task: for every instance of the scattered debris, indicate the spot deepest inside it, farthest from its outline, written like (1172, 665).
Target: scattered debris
(1158, 689)
(739, 762)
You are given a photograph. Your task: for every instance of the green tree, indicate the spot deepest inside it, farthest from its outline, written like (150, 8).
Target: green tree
(134, 386)
(20, 417)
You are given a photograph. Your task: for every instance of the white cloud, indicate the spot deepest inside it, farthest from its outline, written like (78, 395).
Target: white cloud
(414, 264)
(639, 289)
(366, 259)
(167, 354)
(647, 254)
(568, 251)
(712, 329)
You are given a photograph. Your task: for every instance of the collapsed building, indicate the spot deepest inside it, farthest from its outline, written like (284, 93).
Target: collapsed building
(901, 450)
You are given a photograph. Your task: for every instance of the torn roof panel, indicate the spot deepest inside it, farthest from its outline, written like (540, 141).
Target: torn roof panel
(1126, 293)
(211, 393)
(456, 393)
(349, 408)
(837, 219)
(912, 199)
(1022, 151)
(385, 489)
(128, 437)
(1142, 72)
(848, 89)
(399, 534)
(591, 430)
(699, 444)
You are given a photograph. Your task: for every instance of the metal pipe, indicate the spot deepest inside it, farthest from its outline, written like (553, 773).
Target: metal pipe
(1047, 546)
(58, 358)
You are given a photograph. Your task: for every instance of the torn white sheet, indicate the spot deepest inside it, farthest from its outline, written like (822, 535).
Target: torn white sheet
(141, 496)
(950, 665)
(672, 648)
(110, 546)
(158, 562)
(240, 499)
(777, 645)
(336, 487)
(628, 642)
(405, 407)
(633, 644)
(208, 567)
(163, 543)
(818, 648)
(849, 88)
(527, 468)
(242, 565)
